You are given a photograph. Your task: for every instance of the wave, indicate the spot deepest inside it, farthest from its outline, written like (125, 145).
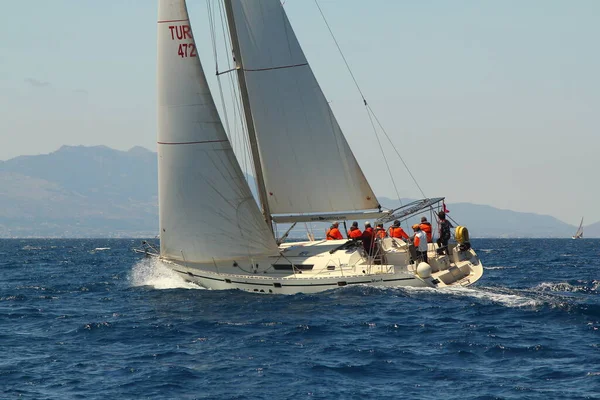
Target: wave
(567, 287)
(152, 272)
(28, 247)
(504, 297)
(500, 267)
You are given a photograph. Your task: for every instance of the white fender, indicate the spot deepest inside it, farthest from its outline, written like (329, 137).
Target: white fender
(424, 270)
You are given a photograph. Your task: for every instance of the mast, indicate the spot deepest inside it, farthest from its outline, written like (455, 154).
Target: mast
(260, 180)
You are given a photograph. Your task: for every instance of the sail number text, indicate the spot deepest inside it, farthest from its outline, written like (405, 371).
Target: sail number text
(183, 32)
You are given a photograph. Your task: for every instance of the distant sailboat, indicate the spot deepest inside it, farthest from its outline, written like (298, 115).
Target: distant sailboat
(212, 231)
(579, 233)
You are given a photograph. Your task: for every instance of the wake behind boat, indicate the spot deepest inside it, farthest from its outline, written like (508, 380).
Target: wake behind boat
(213, 232)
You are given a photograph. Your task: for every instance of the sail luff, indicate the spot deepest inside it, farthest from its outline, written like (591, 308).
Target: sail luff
(258, 171)
(206, 209)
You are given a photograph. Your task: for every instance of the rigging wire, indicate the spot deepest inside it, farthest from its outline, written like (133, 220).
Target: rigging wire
(239, 140)
(215, 55)
(370, 112)
(237, 97)
(396, 150)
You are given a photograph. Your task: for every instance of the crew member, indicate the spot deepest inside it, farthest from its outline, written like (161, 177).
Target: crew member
(396, 231)
(420, 242)
(333, 233)
(367, 238)
(380, 231)
(426, 227)
(445, 234)
(354, 232)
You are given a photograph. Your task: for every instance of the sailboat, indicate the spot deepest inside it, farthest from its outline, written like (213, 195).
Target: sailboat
(212, 230)
(579, 233)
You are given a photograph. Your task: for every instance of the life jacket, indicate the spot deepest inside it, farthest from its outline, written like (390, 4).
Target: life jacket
(398, 232)
(354, 233)
(334, 234)
(426, 227)
(380, 233)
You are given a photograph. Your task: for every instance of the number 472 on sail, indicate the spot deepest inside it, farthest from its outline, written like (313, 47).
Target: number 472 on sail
(187, 50)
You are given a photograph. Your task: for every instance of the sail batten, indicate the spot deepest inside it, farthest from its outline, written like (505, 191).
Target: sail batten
(307, 163)
(206, 209)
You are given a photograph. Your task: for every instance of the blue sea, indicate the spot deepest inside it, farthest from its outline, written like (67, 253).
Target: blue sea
(90, 319)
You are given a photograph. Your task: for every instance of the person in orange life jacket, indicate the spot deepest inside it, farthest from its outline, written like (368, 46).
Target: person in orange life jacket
(426, 227)
(396, 231)
(354, 232)
(367, 238)
(333, 233)
(380, 231)
(420, 242)
(445, 234)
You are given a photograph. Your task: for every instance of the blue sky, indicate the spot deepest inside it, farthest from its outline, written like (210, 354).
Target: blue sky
(488, 102)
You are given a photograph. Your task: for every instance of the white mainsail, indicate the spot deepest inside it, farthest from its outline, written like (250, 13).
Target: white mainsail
(307, 164)
(207, 211)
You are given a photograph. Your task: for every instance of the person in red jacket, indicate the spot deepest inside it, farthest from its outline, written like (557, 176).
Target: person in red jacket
(420, 243)
(426, 227)
(354, 232)
(380, 231)
(368, 236)
(396, 231)
(333, 233)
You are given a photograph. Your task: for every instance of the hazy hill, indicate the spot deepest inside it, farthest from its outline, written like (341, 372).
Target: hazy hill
(80, 192)
(591, 231)
(100, 192)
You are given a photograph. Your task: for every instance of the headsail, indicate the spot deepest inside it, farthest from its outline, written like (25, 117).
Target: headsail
(207, 211)
(307, 164)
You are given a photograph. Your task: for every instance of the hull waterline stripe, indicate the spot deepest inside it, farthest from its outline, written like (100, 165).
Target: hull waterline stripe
(173, 20)
(200, 142)
(271, 284)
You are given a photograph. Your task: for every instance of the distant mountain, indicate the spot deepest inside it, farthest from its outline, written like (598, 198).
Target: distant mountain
(80, 191)
(591, 231)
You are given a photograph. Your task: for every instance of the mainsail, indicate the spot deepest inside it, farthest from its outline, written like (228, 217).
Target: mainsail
(207, 211)
(307, 164)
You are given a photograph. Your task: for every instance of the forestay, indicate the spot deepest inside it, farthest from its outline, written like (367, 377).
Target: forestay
(206, 208)
(307, 164)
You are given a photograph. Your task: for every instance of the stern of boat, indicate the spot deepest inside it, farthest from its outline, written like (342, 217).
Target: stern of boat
(461, 267)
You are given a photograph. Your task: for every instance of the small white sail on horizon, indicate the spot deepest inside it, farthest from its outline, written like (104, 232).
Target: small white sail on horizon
(579, 233)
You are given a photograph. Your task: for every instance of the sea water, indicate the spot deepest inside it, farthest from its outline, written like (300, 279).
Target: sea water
(90, 319)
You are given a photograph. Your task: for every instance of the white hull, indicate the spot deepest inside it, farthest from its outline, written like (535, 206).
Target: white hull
(313, 268)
